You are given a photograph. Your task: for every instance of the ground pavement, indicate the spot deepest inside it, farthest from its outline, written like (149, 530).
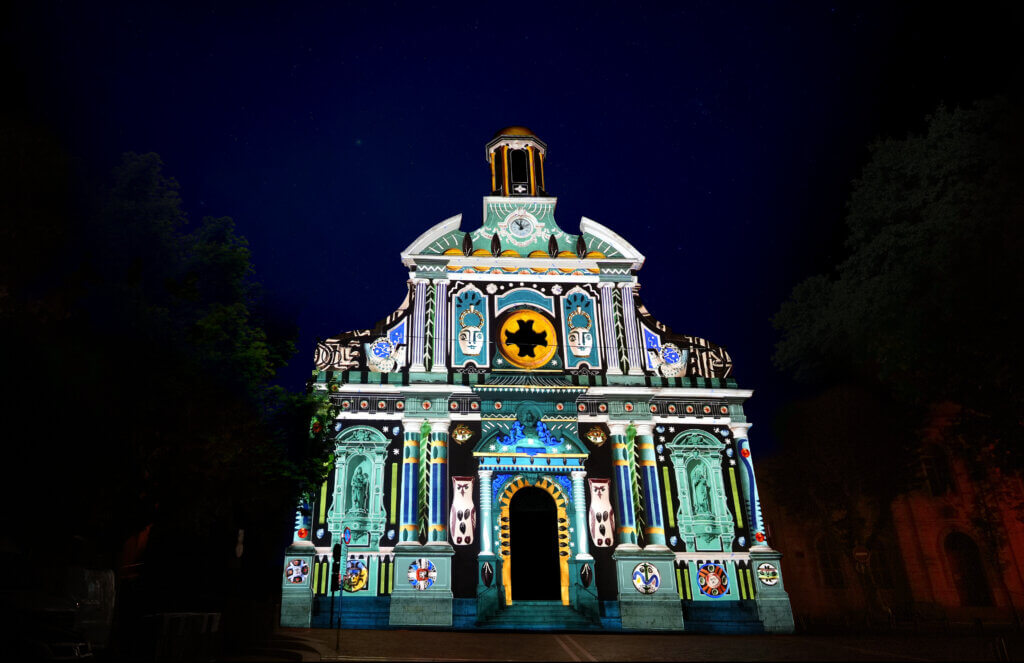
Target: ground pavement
(404, 645)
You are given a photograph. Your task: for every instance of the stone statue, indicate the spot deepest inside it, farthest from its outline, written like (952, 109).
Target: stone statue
(360, 490)
(701, 491)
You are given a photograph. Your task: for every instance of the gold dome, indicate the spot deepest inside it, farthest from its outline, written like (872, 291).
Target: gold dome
(515, 131)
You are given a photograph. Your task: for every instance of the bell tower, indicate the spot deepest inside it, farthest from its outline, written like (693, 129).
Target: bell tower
(517, 156)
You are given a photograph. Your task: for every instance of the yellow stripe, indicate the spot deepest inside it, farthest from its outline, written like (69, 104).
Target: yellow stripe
(626, 530)
(644, 445)
(437, 528)
(750, 582)
(438, 461)
(736, 497)
(323, 501)
(668, 498)
(533, 177)
(655, 530)
(648, 463)
(743, 587)
(494, 181)
(504, 171)
(619, 445)
(410, 528)
(439, 443)
(410, 460)
(620, 462)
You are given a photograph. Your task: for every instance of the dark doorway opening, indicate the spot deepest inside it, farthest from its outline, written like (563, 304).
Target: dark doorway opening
(534, 546)
(968, 570)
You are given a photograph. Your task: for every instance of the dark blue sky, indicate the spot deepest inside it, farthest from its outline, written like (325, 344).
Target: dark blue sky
(720, 139)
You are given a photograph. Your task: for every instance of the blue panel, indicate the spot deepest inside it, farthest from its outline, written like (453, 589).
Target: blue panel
(524, 296)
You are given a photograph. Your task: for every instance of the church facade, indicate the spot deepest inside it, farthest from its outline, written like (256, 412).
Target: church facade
(522, 445)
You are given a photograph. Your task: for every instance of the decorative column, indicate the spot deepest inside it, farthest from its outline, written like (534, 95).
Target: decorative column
(579, 501)
(441, 332)
(438, 530)
(749, 483)
(611, 346)
(486, 545)
(630, 329)
(626, 529)
(419, 324)
(652, 490)
(409, 531)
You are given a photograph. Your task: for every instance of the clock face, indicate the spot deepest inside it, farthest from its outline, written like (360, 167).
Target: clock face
(520, 226)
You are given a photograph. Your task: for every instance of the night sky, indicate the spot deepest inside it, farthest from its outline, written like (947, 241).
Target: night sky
(720, 139)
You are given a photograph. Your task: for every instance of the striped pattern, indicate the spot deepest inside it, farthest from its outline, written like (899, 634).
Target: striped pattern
(608, 327)
(418, 325)
(409, 530)
(506, 535)
(429, 340)
(440, 326)
(655, 529)
(619, 340)
(626, 531)
(438, 486)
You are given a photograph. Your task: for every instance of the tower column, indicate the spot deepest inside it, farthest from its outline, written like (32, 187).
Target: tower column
(440, 363)
(486, 546)
(419, 324)
(630, 329)
(625, 531)
(579, 501)
(409, 531)
(611, 346)
(652, 489)
(749, 483)
(438, 530)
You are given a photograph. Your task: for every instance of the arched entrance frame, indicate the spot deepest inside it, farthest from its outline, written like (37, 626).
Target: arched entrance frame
(555, 490)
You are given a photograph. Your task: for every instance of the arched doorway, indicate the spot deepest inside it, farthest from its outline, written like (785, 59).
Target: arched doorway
(534, 545)
(968, 570)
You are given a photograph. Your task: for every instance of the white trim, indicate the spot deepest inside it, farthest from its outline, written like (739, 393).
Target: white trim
(591, 227)
(713, 556)
(424, 240)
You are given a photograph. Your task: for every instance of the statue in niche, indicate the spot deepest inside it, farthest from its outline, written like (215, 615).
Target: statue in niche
(701, 491)
(360, 490)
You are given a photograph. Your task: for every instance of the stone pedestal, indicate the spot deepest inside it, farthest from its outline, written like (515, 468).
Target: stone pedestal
(488, 586)
(432, 605)
(657, 608)
(297, 585)
(773, 606)
(583, 591)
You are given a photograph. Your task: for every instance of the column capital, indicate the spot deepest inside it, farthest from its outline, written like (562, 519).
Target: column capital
(625, 285)
(485, 474)
(606, 284)
(440, 425)
(412, 425)
(418, 280)
(739, 429)
(617, 427)
(644, 429)
(578, 475)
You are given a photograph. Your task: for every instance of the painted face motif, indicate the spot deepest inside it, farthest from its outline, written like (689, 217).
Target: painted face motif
(462, 517)
(602, 520)
(581, 342)
(596, 436)
(471, 341)
(462, 433)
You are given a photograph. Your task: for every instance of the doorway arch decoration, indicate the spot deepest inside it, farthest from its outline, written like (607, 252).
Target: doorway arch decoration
(555, 490)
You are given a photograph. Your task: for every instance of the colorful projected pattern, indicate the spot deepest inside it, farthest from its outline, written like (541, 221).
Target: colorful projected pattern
(713, 580)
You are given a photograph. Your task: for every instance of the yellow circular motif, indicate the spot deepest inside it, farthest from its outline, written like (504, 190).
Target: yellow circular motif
(527, 339)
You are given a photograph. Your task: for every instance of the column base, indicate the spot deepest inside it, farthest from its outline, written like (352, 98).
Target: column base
(659, 610)
(297, 599)
(773, 607)
(432, 605)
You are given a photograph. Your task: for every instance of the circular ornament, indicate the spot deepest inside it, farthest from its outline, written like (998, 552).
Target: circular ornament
(426, 405)
(400, 405)
(474, 406)
(303, 533)
(759, 536)
(527, 339)
(559, 407)
(453, 406)
(707, 409)
(672, 409)
(602, 407)
(334, 388)
(381, 405)
(745, 453)
(689, 409)
(345, 405)
(713, 580)
(520, 225)
(364, 404)
(356, 575)
(347, 535)
(497, 405)
(422, 574)
(581, 407)
(628, 407)
(724, 410)
(381, 357)
(768, 574)
(646, 578)
(671, 360)
(654, 408)
(296, 571)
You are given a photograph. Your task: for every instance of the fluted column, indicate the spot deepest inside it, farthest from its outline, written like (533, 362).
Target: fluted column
(749, 482)
(438, 531)
(419, 324)
(579, 500)
(409, 531)
(611, 346)
(648, 468)
(441, 332)
(626, 526)
(485, 511)
(630, 330)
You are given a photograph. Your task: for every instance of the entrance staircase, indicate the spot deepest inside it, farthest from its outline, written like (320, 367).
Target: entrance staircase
(539, 616)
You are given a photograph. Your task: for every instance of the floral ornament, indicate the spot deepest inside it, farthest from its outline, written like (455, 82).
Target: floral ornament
(462, 433)
(491, 288)
(768, 574)
(597, 436)
(296, 571)
(422, 574)
(556, 289)
(713, 580)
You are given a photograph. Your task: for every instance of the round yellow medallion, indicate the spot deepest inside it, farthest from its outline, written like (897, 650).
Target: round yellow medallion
(527, 339)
